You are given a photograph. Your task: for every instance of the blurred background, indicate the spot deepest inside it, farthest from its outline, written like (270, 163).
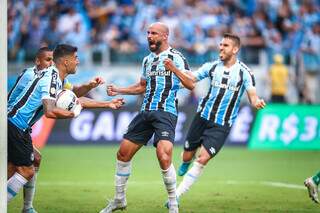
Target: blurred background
(280, 43)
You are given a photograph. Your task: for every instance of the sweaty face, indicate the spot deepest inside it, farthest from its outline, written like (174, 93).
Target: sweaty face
(227, 49)
(155, 38)
(44, 60)
(71, 63)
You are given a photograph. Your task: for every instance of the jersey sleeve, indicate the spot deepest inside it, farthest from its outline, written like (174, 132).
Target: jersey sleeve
(203, 71)
(249, 80)
(144, 68)
(48, 85)
(181, 63)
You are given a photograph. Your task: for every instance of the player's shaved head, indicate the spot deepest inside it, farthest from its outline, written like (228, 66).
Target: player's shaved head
(163, 28)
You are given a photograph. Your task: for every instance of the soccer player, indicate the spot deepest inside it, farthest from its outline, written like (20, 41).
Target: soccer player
(37, 98)
(312, 184)
(217, 110)
(162, 71)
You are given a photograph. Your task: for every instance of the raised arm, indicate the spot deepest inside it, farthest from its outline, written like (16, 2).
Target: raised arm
(83, 89)
(254, 100)
(90, 103)
(135, 89)
(185, 79)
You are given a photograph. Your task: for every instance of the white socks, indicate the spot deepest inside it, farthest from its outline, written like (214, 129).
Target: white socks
(14, 184)
(123, 171)
(170, 182)
(190, 178)
(29, 190)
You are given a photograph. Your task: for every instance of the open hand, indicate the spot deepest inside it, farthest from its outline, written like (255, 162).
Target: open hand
(259, 104)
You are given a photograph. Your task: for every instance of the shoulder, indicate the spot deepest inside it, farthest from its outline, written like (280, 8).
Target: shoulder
(212, 64)
(175, 53)
(244, 67)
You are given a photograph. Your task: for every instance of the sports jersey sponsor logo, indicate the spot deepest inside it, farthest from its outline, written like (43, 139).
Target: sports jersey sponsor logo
(159, 73)
(225, 86)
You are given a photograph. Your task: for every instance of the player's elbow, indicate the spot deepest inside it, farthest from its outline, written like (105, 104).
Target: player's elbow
(50, 114)
(190, 86)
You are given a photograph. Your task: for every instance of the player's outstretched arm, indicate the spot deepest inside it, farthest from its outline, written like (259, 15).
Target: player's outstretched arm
(90, 103)
(83, 89)
(51, 111)
(255, 101)
(135, 89)
(185, 79)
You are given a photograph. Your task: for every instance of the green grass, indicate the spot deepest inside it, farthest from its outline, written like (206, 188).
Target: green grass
(80, 180)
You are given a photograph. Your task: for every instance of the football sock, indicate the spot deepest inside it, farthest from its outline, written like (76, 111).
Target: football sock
(14, 184)
(123, 170)
(29, 190)
(170, 182)
(190, 178)
(316, 178)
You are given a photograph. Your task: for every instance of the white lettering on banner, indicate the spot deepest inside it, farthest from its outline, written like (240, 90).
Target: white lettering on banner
(311, 126)
(269, 126)
(240, 129)
(124, 120)
(290, 129)
(104, 127)
(81, 127)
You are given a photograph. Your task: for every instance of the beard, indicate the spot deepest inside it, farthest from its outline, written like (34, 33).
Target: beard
(154, 46)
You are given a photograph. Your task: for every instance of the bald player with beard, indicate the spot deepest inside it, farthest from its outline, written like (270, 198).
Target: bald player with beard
(162, 72)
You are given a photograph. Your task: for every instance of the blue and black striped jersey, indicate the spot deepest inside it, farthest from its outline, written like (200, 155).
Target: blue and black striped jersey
(24, 78)
(27, 107)
(227, 85)
(162, 85)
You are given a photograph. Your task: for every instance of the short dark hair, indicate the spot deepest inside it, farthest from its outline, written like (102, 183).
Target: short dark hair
(63, 50)
(233, 37)
(42, 50)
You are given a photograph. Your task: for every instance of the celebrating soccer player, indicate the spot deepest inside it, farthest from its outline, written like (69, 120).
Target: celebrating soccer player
(312, 184)
(33, 95)
(162, 71)
(217, 110)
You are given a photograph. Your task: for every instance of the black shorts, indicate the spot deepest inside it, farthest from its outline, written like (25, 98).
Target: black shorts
(20, 149)
(203, 132)
(146, 123)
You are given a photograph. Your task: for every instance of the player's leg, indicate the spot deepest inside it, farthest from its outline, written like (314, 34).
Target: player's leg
(164, 125)
(213, 139)
(30, 187)
(192, 143)
(138, 134)
(312, 184)
(10, 170)
(20, 154)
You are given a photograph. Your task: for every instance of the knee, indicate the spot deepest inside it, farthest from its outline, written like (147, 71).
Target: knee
(26, 172)
(203, 159)
(123, 156)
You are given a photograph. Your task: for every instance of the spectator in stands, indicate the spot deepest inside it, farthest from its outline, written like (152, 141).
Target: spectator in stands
(311, 62)
(279, 76)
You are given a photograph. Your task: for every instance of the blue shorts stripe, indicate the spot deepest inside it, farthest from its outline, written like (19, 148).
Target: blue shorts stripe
(123, 175)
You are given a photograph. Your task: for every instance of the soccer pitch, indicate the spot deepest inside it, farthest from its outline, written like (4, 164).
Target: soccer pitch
(80, 180)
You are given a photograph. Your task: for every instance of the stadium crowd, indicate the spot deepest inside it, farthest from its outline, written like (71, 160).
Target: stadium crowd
(288, 27)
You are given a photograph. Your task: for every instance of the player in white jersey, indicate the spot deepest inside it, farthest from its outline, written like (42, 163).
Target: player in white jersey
(230, 78)
(38, 98)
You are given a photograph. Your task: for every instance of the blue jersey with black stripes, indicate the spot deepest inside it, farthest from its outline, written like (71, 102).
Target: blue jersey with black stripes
(227, 85)
(162, 85)
(24, 78)
(27, 108)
